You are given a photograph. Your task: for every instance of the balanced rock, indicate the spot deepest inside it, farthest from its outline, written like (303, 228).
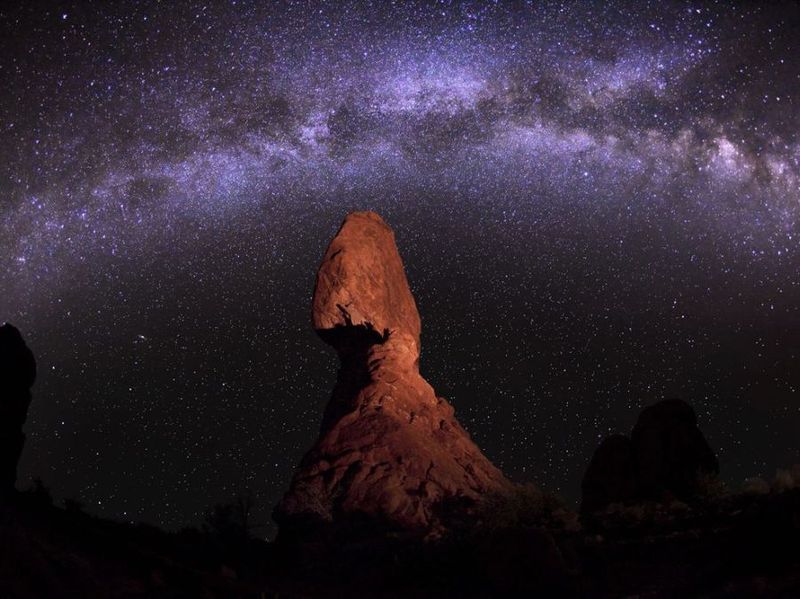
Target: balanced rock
(665, 456)
(390, 453)
(17, 374)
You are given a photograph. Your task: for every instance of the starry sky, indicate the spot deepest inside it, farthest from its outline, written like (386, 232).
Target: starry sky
(597, 208)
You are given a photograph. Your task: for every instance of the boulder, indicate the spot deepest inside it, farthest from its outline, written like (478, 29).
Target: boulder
(670, 450)
(664, 458)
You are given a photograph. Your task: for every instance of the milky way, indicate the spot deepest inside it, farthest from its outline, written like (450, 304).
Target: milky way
(597, 208)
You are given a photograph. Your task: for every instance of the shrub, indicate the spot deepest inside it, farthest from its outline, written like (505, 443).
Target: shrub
(786, 480)
(525, 507)
(755, 486)
(38, 494)
(710, 486)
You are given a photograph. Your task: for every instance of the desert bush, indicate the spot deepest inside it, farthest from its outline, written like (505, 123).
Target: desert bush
(38, 494)
(710, 486)
(230, 521)
(786, 480)
(525, 507)
(755, 486)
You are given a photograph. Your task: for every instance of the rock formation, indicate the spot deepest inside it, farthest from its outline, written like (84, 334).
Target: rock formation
(611, 476)
(390, 452)
(670, 450)
(17, 373)
(665, 456)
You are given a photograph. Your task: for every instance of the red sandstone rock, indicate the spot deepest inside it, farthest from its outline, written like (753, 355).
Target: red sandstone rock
(362, 282)
(390, 452)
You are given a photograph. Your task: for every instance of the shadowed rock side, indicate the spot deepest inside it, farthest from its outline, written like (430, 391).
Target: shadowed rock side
(17, 374)
(670, 450)
(390, 453)
(611, 476)
(664, 457)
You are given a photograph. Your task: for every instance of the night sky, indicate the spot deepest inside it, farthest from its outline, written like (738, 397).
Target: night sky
(597, 208)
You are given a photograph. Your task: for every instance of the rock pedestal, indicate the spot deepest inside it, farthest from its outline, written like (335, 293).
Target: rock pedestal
(390, 455)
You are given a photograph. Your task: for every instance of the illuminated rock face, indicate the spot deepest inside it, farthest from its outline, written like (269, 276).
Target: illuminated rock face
(17, 374)
(390, 452)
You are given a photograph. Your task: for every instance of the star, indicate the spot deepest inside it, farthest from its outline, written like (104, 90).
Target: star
(596, 209)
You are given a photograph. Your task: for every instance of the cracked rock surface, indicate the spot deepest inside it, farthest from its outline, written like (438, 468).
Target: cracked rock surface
(391, 454)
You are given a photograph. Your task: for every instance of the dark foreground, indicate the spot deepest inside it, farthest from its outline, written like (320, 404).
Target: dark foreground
(731, 546)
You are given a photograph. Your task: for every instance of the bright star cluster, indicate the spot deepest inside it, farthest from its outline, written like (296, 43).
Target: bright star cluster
(597, 207)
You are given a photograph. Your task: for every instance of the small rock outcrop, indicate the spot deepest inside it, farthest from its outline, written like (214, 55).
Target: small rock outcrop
(670, 450)
(390, 453)
(611, 476)
(17, 374)
(665, 456)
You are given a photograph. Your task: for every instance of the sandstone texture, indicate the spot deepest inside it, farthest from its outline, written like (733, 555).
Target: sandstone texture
(17, 374)
(390, 453)
(665, 457)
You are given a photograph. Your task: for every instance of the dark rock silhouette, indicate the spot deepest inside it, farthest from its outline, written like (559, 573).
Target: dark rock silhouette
(670, 450)
(611, 476)
(390, 455)
(665, 457)
(17, 374)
